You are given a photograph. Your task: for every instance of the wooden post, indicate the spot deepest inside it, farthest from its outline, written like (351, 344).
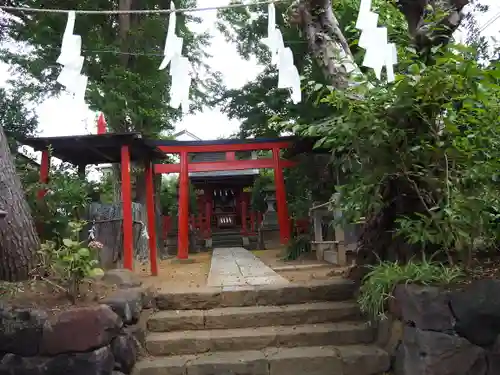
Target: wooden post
(183, 230)
(128, 237)
(150, 203)
(208, 218)
(44, 172)
(340, 239)
(252, 222)
(279, 180)
(81, 171)
(244, 217)
(318, 231)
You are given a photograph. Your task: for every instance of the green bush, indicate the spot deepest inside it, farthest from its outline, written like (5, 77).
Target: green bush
(378, 285)
(297, 246)
(420, 156)
(71, 262)
(66, 199)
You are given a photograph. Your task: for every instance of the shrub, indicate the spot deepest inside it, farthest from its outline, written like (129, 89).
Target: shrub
(71, 262)
(297, 246)
(380, 282)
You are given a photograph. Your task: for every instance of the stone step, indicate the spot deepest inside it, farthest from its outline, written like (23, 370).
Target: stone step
(253, 316)
(226, 232)
(336, 289)
(193, 342)
(323, 360)
(223, 236)
(227, 242)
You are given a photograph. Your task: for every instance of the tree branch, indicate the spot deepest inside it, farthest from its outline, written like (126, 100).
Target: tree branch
(427, 35)
(331, 50)
(325, 39)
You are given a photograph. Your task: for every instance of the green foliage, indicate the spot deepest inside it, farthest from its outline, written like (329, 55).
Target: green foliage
(298, 246)
(103, 191)
(263, 182)
(66, 199)
(392, 137)
(434, 133)
(260, 105)
(124, 81)
(379, 284)
(169, 197)
(263, 109)
(72, 261)
(311, 180)
(15, 118)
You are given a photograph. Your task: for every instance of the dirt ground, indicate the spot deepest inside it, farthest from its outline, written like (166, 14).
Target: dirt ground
(274, 258)
(48, 296)
(302, 270)
(181, 276)
(174, 275)
(184, 276)
(302, 276)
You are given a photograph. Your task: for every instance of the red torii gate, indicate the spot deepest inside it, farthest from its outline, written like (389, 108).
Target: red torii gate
(229, 146)
(122, 148)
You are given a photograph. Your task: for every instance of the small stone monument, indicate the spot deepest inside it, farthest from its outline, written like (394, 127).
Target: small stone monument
(270, 218)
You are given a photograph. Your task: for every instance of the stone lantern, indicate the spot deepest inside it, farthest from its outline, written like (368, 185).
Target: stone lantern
(270, 218)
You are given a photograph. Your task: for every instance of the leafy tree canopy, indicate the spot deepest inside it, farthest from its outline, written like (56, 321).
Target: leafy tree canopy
(16, 118)
(122, 55)
(259, 104)
(417, 156)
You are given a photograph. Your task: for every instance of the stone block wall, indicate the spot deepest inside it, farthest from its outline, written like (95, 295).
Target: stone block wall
(443, 331)
(101, 339)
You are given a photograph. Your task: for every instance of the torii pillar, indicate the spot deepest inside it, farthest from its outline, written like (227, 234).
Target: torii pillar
(183, 226)
(279, 180)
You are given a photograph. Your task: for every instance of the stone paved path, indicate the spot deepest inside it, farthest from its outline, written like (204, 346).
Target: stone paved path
(235, 266)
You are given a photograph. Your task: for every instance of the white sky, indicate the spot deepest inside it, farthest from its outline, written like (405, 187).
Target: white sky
(209, 124)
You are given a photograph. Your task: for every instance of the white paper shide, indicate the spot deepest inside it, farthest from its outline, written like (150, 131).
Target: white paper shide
(72, 62)
(180, 68)
(379, 52)
(288, 75)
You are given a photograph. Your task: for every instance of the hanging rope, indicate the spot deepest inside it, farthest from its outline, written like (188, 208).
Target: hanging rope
(140, 11)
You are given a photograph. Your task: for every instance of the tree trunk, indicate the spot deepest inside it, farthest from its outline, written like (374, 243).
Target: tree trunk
(328, 46)
(18, 238)
(326, 41)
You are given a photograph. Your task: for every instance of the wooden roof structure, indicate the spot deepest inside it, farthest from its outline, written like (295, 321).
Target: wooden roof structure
(96, 148)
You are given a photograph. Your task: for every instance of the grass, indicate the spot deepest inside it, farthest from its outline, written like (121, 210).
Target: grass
(378, 285)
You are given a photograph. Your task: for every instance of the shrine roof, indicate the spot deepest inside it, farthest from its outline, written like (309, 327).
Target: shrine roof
(214, 142)
(96, 148)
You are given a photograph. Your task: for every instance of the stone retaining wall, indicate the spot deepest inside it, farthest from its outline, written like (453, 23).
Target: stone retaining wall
(435, 331)
(101, 339)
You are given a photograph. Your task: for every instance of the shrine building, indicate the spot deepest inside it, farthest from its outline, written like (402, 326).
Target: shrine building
(221, 171)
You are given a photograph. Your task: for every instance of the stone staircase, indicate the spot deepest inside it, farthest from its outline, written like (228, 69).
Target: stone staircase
(313, 329)
(226, 239)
